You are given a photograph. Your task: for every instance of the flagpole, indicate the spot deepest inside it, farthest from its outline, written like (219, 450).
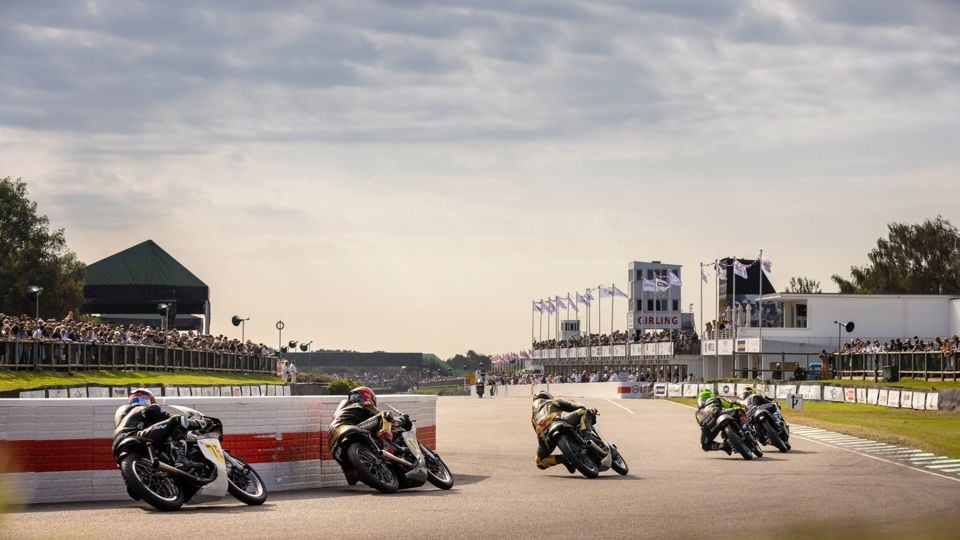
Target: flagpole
(702, 337)
(716, 323)
(533, 304)
(541, 319)
(760, 314)
(733, 315)
(613, 300)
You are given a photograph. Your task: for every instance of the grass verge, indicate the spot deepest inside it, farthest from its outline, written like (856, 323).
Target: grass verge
(933, 431)
(907, 384)
(24, 380)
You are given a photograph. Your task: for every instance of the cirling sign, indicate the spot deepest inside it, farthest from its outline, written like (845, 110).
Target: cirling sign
(280, 325)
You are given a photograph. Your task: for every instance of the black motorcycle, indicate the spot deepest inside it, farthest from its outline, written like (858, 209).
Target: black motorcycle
(769, 426)
(480, 387)
(583, 446)
(389, 465)
(733, 427)
(189, 466)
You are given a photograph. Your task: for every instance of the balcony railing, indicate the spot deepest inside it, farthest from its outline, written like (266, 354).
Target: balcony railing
(30, 354)
(911, 365)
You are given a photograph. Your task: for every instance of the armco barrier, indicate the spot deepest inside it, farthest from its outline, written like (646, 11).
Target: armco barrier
(61, 447)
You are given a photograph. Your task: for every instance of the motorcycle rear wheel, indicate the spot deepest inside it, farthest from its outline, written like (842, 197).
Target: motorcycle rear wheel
(774, 435)
(438, 473)
(578, 456)
(244, 483)
(156, 488)
(371, 469)
(737, 442)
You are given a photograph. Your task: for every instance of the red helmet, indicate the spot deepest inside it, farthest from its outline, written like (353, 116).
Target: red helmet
(363, 396)
(141, 396)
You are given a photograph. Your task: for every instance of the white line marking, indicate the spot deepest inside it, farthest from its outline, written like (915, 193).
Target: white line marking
(619, 405)
(931, 473)
(948, 464)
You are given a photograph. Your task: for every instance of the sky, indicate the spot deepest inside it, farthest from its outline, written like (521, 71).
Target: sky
(409, 175)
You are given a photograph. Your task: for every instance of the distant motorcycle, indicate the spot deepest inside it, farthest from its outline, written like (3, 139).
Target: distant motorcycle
(390, 465)
(729, 424)
(585, 448)
(769, 426)
(188, 467)
(480, 387)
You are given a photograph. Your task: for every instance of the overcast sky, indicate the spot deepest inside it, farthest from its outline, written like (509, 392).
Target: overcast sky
(408, 175)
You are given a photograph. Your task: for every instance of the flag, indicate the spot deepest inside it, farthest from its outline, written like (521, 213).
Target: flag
(587, 297)
(582, 300)
(560, 304)
(606, 292)
(661, 284)
(537, 307)
(548, 305)
(765, 264)
(703, 274)
(524, 354)
(618, 292)
(721, 274)
(572, 303)
(649, 285)
(673, 279)
(740, 269)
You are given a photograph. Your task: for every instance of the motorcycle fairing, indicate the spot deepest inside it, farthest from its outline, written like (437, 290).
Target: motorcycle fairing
(217, 489)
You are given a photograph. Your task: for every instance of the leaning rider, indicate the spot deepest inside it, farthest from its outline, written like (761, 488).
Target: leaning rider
(546, 409)
(709, 408)
(749, 398)
(360, 409)
(143, 417)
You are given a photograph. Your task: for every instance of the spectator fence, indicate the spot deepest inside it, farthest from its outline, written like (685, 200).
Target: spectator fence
(69, 356)
(911, 364)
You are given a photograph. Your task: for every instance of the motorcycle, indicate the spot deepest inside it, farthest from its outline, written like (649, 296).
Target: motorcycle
(480, 387)
(389, 465)
(769, 426)
(190, 466)
(583, 446)
(731, 428)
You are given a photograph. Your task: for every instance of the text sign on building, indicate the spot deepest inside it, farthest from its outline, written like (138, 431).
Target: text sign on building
(659, 321)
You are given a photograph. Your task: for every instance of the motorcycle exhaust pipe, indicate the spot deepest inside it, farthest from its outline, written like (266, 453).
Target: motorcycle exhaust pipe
(173, 471)
(598, 448)
(396, 459)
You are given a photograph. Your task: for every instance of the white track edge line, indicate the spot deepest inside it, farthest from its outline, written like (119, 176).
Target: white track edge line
(904, 465)
(619, 405)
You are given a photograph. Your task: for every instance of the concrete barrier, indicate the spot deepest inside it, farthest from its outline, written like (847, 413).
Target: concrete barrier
(61, 452)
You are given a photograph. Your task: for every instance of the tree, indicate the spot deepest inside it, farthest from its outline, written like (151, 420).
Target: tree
(32, 254)
(471, 362)
(913, 259)
(803, 285)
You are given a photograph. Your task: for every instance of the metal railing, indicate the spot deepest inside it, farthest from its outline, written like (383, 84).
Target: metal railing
(924, 365)
(30, 354)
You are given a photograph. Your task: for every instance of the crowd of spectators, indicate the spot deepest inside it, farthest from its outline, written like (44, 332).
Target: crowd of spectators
(681, 338)
(73, 330)
(585, 376)
(916, 344)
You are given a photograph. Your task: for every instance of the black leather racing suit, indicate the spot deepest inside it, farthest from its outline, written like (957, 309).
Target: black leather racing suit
(707, 416)
(369, 418)
(545, 411)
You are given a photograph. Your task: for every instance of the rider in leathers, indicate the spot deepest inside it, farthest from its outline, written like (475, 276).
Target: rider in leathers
(710, 408)
(546, 409)
(145, 419)
(360, 409)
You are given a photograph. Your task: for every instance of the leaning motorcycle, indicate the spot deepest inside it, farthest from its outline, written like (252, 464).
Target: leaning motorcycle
(733, 427)
(769, 426)
(583, 446)
(190, 466)
(389, 465)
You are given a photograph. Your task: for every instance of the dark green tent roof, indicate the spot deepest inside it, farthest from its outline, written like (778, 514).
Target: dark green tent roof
(136, 279)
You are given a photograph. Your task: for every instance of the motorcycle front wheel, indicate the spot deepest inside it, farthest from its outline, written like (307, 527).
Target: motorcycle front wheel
(737, 442)
(578, 456)
(155, 487)
(774, 435)
(438, 473)
(244, 483)
(619, 464)
(371, 469)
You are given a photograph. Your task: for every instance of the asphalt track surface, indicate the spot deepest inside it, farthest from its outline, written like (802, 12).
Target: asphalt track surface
(674, 490)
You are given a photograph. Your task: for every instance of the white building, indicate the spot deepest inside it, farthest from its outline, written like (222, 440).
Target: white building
(809, 325)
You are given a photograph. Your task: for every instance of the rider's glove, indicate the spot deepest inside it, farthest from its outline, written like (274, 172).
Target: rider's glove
(385, 434)
(592, 411)
(196, 424)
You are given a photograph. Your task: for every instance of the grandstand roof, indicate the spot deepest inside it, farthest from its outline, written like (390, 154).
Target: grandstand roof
(138, 278)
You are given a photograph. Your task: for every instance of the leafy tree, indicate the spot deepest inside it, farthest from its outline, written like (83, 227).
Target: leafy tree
(342, 387)
(471, 362)
(913, 259)
(803, 285)
(32, 254)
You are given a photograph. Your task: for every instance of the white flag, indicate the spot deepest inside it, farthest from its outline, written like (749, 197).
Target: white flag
(618, 292)
(721, 271)
(548, 305)
(606, 292)
(703, 274)
(765, 264)
(739, 269)
(537, 307)
(587, 297)
(649, 285)
(661, 284)
(673, 279)
(560, 304)
(572, 304)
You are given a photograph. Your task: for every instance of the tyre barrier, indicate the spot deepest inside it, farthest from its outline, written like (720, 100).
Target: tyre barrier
(60, 449)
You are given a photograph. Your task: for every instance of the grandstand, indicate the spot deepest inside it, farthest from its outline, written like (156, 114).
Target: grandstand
(328, 361)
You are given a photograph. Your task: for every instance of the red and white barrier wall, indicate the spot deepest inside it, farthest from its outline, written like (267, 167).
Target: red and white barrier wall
(59, 449)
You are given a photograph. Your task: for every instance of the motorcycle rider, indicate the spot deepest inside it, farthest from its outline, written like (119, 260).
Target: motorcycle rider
(142, 416)
(359, 409)
(546, 409)
(709, 408)
(748, 397)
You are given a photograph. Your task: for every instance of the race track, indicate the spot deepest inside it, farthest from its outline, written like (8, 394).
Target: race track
(673, 491)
